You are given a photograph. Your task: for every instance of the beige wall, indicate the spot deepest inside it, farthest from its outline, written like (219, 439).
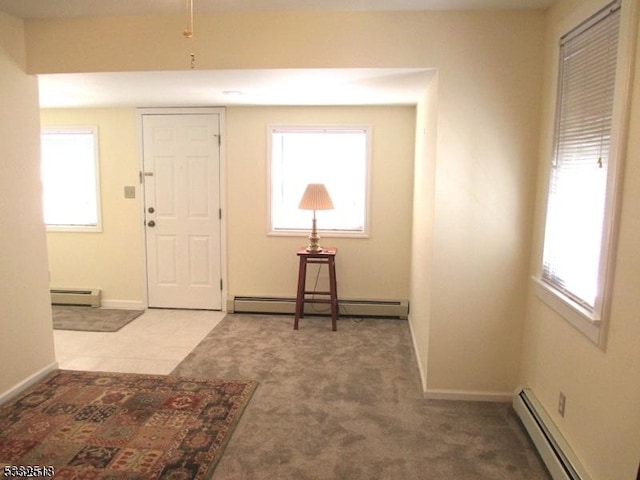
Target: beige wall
(462, 40)
(422, 224)
(373, 268)
(112, 259)
(602, 417)
(26, 341)
(258, 264)
(488, 98)
(488, 114)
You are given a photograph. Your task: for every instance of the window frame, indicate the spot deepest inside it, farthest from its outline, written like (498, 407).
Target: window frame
(327, 233)
(88, 129)
(593, 324)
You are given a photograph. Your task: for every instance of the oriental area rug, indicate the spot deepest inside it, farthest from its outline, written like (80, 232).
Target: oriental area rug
(98, 426)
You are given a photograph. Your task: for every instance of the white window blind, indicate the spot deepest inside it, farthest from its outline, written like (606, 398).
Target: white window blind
(576, 213)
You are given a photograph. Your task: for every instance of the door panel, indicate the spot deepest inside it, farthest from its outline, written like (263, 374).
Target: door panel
(198, 188)
(199, 251)
(166, 261)
(182, 200)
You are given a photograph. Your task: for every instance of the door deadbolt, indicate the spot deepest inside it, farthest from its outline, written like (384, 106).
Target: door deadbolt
(151, 210)
(151, 223)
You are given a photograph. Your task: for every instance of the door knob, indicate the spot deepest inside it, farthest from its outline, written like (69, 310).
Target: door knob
(151, 210)
(151, 223)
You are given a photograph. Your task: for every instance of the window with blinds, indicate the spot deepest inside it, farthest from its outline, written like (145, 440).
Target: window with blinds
(577, 217)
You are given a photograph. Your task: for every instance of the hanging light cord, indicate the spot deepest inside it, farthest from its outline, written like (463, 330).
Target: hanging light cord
(188, 31)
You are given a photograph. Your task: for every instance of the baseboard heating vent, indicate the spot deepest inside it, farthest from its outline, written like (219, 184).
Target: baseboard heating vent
(348, 307)
(556, 453)
(76, 296)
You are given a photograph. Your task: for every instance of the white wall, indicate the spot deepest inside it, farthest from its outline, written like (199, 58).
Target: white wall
(602, 387)
(26, 342)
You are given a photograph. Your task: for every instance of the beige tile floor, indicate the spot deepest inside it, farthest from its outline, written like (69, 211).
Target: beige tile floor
(154, 343)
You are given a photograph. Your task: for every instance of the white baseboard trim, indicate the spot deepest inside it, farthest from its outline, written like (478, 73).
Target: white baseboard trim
(461, 395)
(468, 395)
(123, 304)
(555, 451)
(26, 383)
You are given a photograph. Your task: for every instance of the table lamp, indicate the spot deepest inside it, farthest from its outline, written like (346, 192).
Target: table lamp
(315, 197)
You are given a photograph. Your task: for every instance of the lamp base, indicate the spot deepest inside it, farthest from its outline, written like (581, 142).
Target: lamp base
(314, 244)
(314, 239)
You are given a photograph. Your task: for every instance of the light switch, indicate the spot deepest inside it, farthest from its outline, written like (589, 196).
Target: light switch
(129, 192)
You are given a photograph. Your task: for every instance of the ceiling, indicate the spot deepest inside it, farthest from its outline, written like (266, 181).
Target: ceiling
(358, 86)
(236, 87)
(80, 8)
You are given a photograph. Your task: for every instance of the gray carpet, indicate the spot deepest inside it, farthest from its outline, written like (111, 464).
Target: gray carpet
(89, 319)
(348, 405)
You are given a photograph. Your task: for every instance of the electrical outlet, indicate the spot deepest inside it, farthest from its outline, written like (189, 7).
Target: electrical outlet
(562, 402)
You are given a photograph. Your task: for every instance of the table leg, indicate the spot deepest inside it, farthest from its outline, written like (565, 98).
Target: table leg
(333, 292)
(302, 277)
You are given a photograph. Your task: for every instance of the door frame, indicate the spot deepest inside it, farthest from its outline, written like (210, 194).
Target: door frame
(140, 112)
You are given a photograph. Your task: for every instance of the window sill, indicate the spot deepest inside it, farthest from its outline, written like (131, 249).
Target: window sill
(74, 229)
(321, 233)
(586, 322)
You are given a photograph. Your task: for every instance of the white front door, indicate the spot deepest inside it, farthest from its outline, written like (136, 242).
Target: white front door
(181, 160)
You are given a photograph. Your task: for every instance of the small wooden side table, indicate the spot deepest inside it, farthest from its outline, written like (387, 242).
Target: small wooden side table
(328, 257)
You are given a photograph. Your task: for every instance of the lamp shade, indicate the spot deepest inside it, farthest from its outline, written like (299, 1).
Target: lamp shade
(316, 197)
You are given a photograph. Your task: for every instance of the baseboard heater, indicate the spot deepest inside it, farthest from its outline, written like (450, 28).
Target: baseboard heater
(556, 453)
(348, 307)
(76, 296)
